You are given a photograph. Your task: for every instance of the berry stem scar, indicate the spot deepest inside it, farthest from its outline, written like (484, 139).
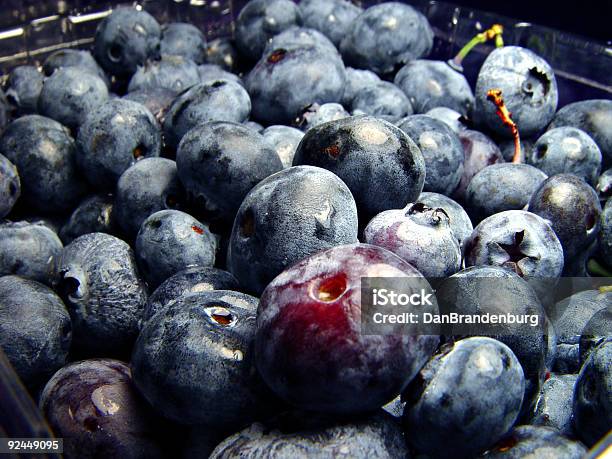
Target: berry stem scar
(495, 96)
(493, 33)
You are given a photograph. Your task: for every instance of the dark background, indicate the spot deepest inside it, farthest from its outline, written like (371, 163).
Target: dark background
(589, 18)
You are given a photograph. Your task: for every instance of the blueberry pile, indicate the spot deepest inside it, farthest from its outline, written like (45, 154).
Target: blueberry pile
(186, 225)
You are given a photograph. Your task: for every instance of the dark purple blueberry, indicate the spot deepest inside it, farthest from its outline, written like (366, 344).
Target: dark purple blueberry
(103, 292)
(604, 185)
(44, 154)
(453, 118)
(501, 187)
(381, 165)
(333, 18)
(222, 52)
(303, 436)
(527, 84)
(441, 149)
(284, 219)
(175, 73)
(593, 395)
(569, 317)
(185, 40)
(420, 235)
(553, 407)
(29, 250)
(150, 185)
(593, 117)
(114, 137)
(219, 163)
(170, 241)
(190, 280)
(95, 408)
(465, 399)
(536, 441)
(10, 186)
(595, 332)
(479, 151)
(35, 330)
(284, 140)
(356, 80)
(300, 37)
(93, 215)
(430, 84)
(572, 209)
(385, 36)
(286, 80)
(315, 114)
(213, 100)
(384, 100)
(309, 347)
(70, 94)
(260, 20)
(126, 39)
(68, 57)
(605, 236)
(157, 100)
(567, 150)
(459, 221)
(212, 72)
(193, 360)
(23, 88)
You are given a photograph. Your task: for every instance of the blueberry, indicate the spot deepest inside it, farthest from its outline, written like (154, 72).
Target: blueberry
(35, 330)
(356, 80)
(93, 215)
(593, 117)
(528, 85)
(300, 37)
(260, 20)
(213, 100)
(287, 217)
(459, 221)
(451, 117)
(332, 18)
(479, 151)
(507, 148)
(501, 187)
(189, 280)
(193, 360)
(567, 150)
(309, 348)
(604, 185)
(91, 404)
(74, 58)
(222, 52)
(185, 40)
(255, 126)
(212, 72)
(571, 207)
(157, 100)
(464, 399)
(284, 140)
(69, 94)
(605, 236)
(23, 88)
(554, 404)
(303, 436)
(176, 73)
(44, 153)
(150, 185)
(104, 294)
(536, 441)
(430, 84)
(114, 137)
(4, 111)
(169, 241)
(517, 240)
(593, 395)
(315, 114)
(219, 162)
(382, 167)
(595, 332)
(285, 80)
(385, 36)
(29, 250)
(385, 100)
(10, 185)
(420, 235)
(126, 39)
(569, 317)
(441, 149)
